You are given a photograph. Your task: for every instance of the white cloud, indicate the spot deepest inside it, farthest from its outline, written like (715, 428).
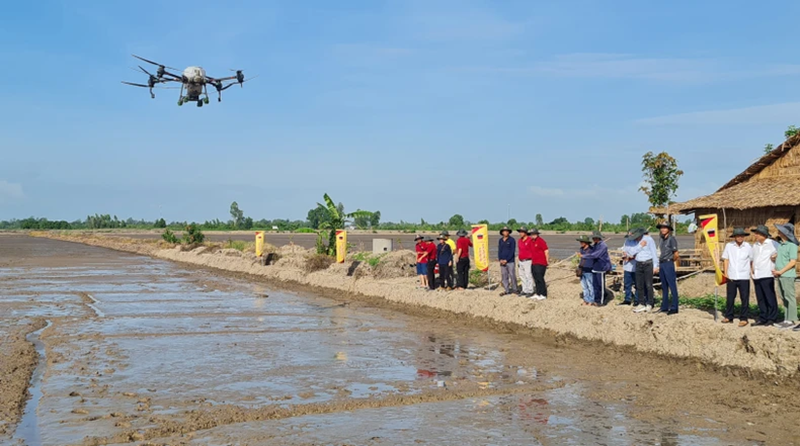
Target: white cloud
(757, 115)
(10, 191)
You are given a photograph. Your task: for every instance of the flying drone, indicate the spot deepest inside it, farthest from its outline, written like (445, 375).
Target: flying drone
(193, 80)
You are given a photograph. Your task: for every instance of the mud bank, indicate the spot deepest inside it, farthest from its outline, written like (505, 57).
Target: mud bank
(692, 335)
(18, 359)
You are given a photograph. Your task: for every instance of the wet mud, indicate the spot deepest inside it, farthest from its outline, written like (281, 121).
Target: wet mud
(143, 351)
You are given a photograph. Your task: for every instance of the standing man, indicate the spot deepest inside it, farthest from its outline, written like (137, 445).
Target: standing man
(430, 248)
(602, 265)
(506, 254)
(667, 260)
(445, 258)
(525, 256)
(449, 242)
(646, 266)
(539, 262)
(422, 260)
(737, 257)
(785, 272)
(764, 251)
(586, 265)
(629, 270)
(462, 255)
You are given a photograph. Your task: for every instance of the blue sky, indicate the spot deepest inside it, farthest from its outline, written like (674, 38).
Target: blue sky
(419, 109)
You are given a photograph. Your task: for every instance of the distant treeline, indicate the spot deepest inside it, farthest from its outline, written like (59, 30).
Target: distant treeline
(105, 221)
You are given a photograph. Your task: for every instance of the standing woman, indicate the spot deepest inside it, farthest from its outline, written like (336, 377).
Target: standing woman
(422, 260)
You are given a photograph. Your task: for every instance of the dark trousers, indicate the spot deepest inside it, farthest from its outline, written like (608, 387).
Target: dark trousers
(669, 285)
(446, 275)
(767, 300)
(630, 281)
(540, 287)
(743, 287)
(462, 269)
(432, 275)
(598, 283)
(644, 282)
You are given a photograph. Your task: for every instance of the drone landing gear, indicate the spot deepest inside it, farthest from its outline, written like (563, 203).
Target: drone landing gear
(199, 102)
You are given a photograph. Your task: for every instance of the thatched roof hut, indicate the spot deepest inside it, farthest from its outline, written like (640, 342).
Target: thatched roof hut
(767, 192)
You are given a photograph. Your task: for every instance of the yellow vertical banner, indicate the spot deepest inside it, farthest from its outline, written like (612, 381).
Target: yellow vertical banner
(709, 224)
(480, 246)
(341, 246)
(259, 243)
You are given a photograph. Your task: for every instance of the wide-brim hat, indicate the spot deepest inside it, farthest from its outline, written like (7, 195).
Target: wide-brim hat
(584, 239)
(428, 239)
(761, 229)
(419, 237)
(445, 233)
(739, 231)
(788, 231)
(523, 229)
(597, 234)
(441, 237)
(634, 234)
(505, 228)
(534, 231)
(462, 233)
(665, 224)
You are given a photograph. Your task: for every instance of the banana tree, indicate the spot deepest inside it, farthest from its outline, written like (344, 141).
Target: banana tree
(334, 218)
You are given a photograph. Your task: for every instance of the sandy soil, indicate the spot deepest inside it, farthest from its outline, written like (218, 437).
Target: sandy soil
(17, 361)
(691, 335)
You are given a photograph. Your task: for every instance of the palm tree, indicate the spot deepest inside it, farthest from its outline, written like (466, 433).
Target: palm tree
(334, 218)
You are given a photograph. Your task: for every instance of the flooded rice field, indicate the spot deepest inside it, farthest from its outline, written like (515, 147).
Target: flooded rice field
(133, 350)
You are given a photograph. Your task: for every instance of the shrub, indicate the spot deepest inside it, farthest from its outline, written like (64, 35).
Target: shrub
(238, 245)
(170, 237)
(193, 236)
(318, 262)
(478, 278)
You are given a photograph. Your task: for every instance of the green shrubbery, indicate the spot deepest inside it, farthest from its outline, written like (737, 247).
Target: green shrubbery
(193, 236)
(170, 237)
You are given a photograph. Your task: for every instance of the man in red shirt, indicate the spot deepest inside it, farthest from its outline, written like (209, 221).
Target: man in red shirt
(462, 255)
(422, 261)
(539, 261)
(525, 256)
(430, 249)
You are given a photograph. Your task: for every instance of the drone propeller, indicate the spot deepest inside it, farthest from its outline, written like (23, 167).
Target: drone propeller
(153, 63)
(161, 68)
(136, 85)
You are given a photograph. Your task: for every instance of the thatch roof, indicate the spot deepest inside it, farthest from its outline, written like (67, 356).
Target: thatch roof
(746, 192)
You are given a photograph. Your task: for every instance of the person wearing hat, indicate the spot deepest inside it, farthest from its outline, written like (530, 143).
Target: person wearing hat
(506, 255)
(646, 258)
(447, 240)
(786, 273)
(422, 260)
(764, 251)
(602, 265)
(667, 272)
(430, 248)
(539, 262)
(629, 270)
(525, 248)
(586, 264)
(462, 259)
(737, 258)
(444, 256)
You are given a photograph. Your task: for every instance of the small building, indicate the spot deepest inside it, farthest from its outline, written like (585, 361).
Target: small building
(767, 192)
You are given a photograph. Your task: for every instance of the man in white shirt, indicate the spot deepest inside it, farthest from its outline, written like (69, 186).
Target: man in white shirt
(737, 257)
(763, 251)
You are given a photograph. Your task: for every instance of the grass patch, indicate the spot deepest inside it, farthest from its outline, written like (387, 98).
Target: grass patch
(375, 261)
(706, 303)
(478, 278)
(361, 256)
(238, 245)
(305, 231)
(318, 262)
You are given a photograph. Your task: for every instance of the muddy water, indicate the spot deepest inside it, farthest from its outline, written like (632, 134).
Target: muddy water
(143, 350)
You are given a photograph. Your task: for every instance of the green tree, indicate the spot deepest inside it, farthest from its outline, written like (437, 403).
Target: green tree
(375, 219)
(791, 131)
(160, 223)
(334, 218)
(661, 175)
(456, 221)
(588, 221)
(768, 148)
(539, 220)
(512, 223)
(237, 215)
(624, 220)
(361, 222)
(247, 224)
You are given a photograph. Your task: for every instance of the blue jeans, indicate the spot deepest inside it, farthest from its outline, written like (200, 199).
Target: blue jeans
(669, 283)
(587, 283)
(630, 281)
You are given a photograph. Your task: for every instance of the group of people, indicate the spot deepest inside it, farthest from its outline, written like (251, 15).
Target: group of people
(766, 262)
(534, 257)
(643, 258)
(444, 257)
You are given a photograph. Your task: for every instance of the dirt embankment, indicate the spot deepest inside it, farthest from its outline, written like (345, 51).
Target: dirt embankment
(18, 359)
(691, 335)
